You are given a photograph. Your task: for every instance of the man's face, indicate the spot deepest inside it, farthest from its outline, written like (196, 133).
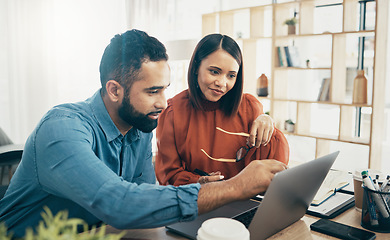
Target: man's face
(144, 102)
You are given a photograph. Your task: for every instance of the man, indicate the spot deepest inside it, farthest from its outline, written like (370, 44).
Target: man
(94, 158)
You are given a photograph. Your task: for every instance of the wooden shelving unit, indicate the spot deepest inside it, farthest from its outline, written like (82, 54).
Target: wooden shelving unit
(260, 30)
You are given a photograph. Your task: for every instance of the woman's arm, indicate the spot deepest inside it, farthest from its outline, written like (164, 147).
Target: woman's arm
(261, 130)
(277, 148)
(169, 167)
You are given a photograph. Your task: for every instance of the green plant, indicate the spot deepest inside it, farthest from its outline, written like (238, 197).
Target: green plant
(59, 227)
(289, 121)
(291, 21)
(3, 232)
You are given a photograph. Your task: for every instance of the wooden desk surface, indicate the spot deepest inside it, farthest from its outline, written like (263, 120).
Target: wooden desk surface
(297, 231)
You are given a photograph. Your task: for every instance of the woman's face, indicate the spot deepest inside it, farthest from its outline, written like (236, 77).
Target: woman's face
(217, 74)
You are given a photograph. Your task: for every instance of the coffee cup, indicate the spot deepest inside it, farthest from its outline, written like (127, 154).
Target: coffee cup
(222, 229)
(358, 189)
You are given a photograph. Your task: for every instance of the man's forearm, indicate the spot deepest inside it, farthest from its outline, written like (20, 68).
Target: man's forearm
(215, 194)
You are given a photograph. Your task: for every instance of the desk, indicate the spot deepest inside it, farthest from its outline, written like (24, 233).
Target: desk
(300, 230)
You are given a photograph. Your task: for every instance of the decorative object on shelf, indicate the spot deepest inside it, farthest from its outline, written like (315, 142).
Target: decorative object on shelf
(288, 56)
(289, 126)
(282, 57)
(308, 63)
(323, 94)
(359, 88)
(262, 86)
(291, 25)
(293, 56)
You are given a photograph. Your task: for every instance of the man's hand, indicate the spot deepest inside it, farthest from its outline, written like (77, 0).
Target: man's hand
(252, 180)
(261, 130)
(256, 177)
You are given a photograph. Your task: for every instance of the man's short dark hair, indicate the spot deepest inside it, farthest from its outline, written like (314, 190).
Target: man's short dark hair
(123, 57)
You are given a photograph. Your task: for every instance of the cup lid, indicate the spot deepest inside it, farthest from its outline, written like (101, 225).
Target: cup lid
(222, 228)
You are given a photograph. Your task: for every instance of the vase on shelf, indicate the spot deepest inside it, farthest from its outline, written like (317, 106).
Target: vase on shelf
(262, 86)
(359, 88)
(291, 29)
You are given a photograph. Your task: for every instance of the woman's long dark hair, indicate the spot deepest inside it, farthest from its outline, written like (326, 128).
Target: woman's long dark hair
(230, 102)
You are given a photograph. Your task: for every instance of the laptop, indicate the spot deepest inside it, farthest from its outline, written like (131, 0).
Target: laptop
(286, 201)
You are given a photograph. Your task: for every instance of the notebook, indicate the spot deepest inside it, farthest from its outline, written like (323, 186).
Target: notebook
(285, 202)
(334, 182)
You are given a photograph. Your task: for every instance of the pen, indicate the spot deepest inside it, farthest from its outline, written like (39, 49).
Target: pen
(371, 209)
(379, 202)
(376, 185)
(201, 173)
(377, 182)
(384, 184)
(386, 188)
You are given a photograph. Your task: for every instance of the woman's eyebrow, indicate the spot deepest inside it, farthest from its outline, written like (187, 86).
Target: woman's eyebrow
(220, 69)
(215, 67)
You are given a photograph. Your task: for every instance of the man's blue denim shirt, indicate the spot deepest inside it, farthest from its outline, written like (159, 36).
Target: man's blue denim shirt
(72, 162)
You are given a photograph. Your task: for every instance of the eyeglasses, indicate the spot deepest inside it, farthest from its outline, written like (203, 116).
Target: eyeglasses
(241, 152)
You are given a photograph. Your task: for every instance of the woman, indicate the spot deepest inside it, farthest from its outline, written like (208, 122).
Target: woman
(212, 128)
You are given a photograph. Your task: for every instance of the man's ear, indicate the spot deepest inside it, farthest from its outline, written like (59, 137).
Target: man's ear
(114, 91)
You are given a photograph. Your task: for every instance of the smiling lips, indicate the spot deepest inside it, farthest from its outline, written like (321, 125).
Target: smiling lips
(217, 91)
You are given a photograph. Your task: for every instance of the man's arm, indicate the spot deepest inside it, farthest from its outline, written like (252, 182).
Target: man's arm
(252, 180)
(67, 167)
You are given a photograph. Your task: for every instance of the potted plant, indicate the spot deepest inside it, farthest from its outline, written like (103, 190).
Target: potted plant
(60, 227)
(291, 25)
(308, 63)
(289, 125)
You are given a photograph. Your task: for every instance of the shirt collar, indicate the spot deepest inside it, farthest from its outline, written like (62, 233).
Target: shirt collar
(108, 126)
(101, 114)
(208, 105)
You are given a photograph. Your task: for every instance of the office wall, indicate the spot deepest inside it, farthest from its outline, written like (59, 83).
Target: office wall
(50, 50)
(50, 54)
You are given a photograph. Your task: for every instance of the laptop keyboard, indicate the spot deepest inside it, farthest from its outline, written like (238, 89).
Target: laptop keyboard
(246, 217)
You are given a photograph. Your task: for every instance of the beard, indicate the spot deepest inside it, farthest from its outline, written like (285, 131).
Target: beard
(135, 118)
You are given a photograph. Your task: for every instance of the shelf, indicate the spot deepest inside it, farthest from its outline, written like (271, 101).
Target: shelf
(331, 138)
(362, 33)
(252, 39)
(322, 102)
(301, 68)
(328, 35)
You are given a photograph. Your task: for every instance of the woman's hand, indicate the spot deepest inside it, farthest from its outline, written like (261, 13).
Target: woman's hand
(214, 176)
(261, 131)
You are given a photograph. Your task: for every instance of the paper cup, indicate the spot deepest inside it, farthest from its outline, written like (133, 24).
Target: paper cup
(222, 229)
(358, 190)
